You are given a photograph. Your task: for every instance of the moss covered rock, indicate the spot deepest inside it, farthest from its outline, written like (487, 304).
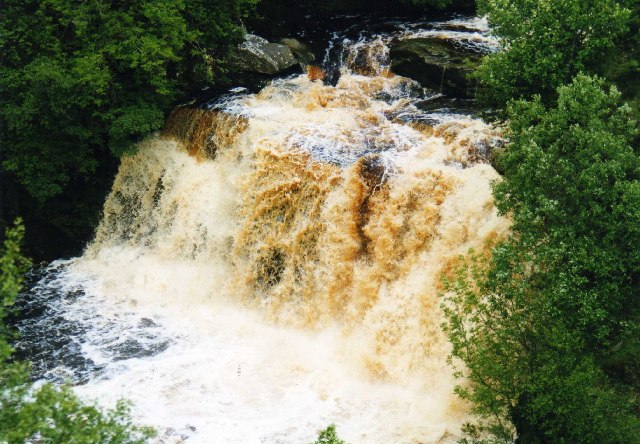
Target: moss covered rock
(436, 63)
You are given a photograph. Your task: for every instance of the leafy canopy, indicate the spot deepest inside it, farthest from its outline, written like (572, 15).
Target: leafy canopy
(545, 44)
(547, 323)
(80, 78)
(623, 61)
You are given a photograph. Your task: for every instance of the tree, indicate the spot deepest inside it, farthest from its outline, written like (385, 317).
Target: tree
(545, 44)
(82, 82)
(623, 65)
(547, 326)
(47, 414)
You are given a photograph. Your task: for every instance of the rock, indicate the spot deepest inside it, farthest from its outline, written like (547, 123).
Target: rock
(301, 51)
(494, 157)
(257, 55)
(436, 63)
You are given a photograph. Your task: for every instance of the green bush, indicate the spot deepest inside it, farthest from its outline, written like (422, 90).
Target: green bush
(329, 436)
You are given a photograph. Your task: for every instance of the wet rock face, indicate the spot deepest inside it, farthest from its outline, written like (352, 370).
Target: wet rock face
(258, 55)
(436, 63)
(301, 51)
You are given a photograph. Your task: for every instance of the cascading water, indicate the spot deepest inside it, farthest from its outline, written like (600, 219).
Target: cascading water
(270, 264)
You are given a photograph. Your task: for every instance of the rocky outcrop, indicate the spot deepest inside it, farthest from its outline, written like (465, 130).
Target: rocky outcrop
(300, 50)
(258, 55)
(436, 63)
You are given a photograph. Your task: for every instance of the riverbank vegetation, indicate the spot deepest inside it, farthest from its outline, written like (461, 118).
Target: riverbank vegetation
(81, 83)
(546, 45)
(547, 323)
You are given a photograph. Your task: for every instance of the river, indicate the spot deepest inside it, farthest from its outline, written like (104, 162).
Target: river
(270, 264)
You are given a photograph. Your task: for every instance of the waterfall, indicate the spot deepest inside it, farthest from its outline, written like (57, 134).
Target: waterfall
(279, 257)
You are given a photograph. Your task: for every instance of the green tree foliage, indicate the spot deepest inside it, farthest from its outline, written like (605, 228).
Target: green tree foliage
(81, 83)
(623, 67)
(55, 415)
(548, 327)
(78, 77)
(546, 43)
(12, 268)
(47, 413)
(329, 436)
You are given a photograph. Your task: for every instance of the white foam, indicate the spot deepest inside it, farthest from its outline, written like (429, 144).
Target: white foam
(231, 375)
(275, 361)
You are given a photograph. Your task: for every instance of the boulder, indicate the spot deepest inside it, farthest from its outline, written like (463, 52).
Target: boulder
(258, 55)
(436, 63)
(300, 50)
(494, 157)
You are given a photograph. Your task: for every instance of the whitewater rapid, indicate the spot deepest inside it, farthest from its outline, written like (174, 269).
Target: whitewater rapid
(271, 263)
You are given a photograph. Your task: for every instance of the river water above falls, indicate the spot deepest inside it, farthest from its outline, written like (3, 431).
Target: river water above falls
(270, 263)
